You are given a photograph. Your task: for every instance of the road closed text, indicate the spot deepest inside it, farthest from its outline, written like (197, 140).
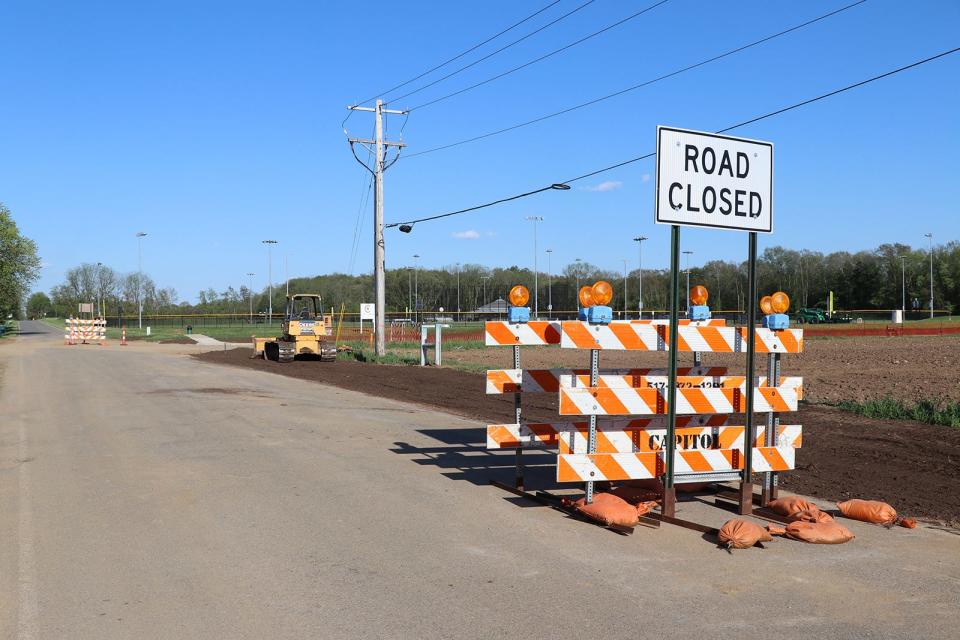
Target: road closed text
(707, 180)
(726, 201)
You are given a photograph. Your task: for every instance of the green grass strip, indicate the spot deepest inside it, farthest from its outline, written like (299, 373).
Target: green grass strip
(889, 408)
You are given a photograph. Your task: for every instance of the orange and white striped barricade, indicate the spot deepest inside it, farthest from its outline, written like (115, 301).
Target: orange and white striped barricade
(593, 467)
(606, 401)
(632, 435)
(85, 330)
(517, 334)
(633, 336)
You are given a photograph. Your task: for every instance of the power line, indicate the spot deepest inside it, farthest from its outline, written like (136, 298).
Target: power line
(490, 55)
(543, 57)
(637, 86)
(460, 55)
(566, 183)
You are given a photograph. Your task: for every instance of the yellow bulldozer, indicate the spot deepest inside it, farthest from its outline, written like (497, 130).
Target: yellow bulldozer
(306, 332)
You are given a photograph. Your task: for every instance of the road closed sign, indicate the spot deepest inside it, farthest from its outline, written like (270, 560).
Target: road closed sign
(710, 180)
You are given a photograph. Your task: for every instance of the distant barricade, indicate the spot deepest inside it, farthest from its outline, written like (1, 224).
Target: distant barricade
(85, 331)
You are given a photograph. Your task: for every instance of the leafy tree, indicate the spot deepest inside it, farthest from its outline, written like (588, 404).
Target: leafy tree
(19, 264)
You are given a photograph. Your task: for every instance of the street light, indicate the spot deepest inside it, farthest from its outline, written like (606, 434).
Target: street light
(100, 311)
(140, 236)
(549, 285)
(576, 294)
(536, 301)
(485, 278)
(639, 240)
(250, 293)
(458, 291)
(688, 254)
(416, 285)
(930, 238)
(270, 244)
(410, 291)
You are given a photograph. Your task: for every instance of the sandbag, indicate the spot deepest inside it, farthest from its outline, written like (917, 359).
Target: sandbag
(611, 510)
(636, 495)
(790, 505)
(814, 532)
(810, 515)
(742, 534)
(875, 512)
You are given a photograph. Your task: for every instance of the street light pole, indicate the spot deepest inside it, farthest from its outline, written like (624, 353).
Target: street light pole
(100, 311)
(250, 293)
(458, 291)
(536, 300)
(639, 240)
(416, 285)
(410, 291)
(903, 288)
(930, 238)
(485, 278)
(624, 288)
(270, 244)
(688, 254)
(549, 285)
(576, 294)
(140, 236)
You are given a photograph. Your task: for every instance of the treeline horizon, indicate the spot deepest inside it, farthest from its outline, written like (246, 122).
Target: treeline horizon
(864, 280)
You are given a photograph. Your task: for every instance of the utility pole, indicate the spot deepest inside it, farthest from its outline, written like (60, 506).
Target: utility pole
(549, 285)
(688, 254)
(286, 273)
(379, 146)
(536, 300)
(410, 291)
(485, 278)
(930, 238)
(576, 294)
(140, 236)
(639, 240)
(250, 294)
(270, 244)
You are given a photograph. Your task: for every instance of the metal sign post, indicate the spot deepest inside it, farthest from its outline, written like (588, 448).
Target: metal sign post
(710, 180)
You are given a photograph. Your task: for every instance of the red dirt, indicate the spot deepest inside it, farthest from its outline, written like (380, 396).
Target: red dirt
(911, 465)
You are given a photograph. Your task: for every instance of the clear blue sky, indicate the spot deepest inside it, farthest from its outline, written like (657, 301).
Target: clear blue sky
(213, 125)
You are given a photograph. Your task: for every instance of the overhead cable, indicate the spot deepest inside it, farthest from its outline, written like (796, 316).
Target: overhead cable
(566, 183)
(636, 86)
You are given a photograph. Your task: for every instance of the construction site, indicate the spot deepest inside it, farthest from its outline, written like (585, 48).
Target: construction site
(506, 428)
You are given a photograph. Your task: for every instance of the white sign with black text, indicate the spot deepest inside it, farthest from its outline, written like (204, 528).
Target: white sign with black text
(710, 180)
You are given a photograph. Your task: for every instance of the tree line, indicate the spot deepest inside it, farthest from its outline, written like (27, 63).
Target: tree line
(862, 280)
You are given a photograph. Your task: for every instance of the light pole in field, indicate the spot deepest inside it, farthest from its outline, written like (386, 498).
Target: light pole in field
(270, 244)
(639, 240)
(100, 311)
(624, 288)
(549, 285)
(458, 291)
(250, 293)
(410, 291)
(576, 294)
(930, 238)
(903, 288)
(416, 285)
(140, 236)
(485, 278)
(536, 300)
(688, 254)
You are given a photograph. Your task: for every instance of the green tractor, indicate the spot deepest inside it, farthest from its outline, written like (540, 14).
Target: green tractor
(811, 316)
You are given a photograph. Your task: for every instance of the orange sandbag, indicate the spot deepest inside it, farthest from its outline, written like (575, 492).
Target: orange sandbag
(742, 534)
(810, 515)
(790, 505)
(814, 532)
(636, 495)
(875, 512)
(610, 509)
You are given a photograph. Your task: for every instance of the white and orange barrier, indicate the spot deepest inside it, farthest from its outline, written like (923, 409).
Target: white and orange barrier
(634, 436)
(501, 381)
(602, 401)
(577, 467)
(510, 334)
(85, 330)
(634, 336)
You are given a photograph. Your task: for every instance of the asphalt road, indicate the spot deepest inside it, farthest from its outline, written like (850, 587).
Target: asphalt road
(144, 495)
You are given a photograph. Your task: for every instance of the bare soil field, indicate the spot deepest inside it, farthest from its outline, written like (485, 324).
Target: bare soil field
(914, 466)
(834, 369)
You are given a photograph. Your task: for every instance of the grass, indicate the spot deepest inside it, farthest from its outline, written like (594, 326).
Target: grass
(928, 411)
(369, 356)
(9, 328)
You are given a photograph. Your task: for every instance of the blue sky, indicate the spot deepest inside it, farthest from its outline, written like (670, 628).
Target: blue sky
(213, 125)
